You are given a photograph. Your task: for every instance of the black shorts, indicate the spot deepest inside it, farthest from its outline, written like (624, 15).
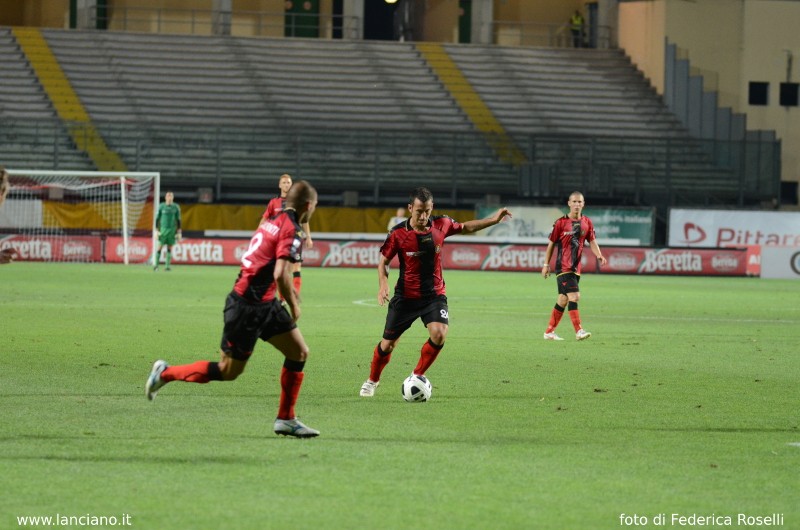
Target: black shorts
(404, 311)
(568, 283)
(246, 322)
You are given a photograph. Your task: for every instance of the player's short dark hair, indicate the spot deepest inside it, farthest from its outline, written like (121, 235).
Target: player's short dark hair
(422, 193)
(300, 193)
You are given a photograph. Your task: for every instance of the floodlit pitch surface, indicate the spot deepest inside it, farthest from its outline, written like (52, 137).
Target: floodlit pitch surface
(684, 401)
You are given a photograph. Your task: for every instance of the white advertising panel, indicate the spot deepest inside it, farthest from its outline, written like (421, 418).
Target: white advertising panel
(616, 226)
(780, 262)
(21, 213)
(732, 228)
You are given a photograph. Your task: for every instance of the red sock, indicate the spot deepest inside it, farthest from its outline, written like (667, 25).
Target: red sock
(576, 319)
(290, 389)
(379, 362)
(199, 372)
(426, 357)
(297, 281)
(555, 318)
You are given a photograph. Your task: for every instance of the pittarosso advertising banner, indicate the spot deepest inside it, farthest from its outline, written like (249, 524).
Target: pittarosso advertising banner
(458, 256)
(733, 228)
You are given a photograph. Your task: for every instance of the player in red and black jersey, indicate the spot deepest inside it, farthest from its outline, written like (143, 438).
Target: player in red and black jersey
(253, 312)
(420, 289)
(274, 207)
(569, 236)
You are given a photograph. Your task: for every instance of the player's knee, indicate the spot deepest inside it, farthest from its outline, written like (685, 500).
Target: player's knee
(303, 354)
(438, 336)
(387, 346)
(300, 354)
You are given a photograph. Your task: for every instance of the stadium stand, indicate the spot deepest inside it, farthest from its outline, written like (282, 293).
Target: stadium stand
(376, 118)
(591, 121)
(31, 135)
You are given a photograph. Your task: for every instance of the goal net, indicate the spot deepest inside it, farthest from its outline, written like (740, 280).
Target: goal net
(82, 216)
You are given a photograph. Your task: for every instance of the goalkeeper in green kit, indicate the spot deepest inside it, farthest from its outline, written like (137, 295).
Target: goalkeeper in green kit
(168, 228)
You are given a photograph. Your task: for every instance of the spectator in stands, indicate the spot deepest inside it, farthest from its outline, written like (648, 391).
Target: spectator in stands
(576, 27)
(400, 217)
(7, 255)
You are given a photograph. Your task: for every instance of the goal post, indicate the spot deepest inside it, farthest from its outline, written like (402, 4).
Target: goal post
(80, 215)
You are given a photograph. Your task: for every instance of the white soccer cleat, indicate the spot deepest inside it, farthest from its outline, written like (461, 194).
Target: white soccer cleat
(582, 334)
(154, 381)
(368, 388)
(552, 336)
(294, 428)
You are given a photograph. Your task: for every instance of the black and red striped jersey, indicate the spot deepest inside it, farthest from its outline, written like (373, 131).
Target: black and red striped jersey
(279, 237)
(419, 254)
(274, 207)
(570, 236)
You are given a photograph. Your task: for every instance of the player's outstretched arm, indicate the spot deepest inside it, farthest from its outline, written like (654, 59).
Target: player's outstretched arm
(470, 227)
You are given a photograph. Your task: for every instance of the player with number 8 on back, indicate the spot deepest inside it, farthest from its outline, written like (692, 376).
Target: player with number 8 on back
(252, 312)
(420, 291)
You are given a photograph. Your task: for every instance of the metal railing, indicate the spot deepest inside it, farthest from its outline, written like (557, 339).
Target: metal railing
(459, 166)
(316, 25)
(513, 33)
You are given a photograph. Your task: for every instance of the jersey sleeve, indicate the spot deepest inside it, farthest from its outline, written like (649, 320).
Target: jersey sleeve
(590, 235)
(453, 226)
(390, 245)
(178, 216)
(554, 232)
(270, 211)
(448, 226)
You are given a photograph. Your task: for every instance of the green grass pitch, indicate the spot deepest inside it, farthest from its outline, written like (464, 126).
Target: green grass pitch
(684, 401)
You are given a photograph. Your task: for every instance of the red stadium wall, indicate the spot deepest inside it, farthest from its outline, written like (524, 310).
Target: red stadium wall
(365, 254)
(464, 256)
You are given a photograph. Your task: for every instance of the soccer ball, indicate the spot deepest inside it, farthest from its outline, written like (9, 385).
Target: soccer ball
(416, 388)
